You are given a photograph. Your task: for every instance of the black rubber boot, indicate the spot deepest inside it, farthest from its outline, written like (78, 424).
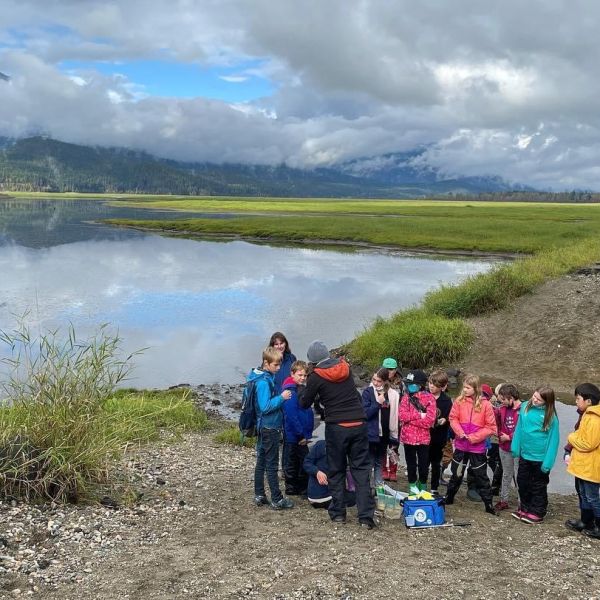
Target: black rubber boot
(593, 533)
(489, 508)
(585, 522)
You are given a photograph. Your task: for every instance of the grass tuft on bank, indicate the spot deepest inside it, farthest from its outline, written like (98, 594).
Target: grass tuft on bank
(231, 436)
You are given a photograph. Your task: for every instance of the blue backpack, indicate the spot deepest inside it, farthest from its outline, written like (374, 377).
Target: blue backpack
(248, 422)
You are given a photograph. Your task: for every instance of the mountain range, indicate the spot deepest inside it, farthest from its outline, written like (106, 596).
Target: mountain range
(44, 164)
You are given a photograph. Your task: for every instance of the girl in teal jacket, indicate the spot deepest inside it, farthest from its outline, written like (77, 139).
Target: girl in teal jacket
(535, 444)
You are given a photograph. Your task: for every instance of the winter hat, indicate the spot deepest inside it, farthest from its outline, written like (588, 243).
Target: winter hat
(417, 376)
(389, 363)
(487, 391)
(317, 352)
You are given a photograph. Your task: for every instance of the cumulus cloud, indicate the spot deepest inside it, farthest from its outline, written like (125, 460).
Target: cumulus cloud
(507, 89)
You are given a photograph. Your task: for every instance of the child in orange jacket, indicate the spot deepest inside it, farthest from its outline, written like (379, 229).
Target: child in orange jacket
(472, 419)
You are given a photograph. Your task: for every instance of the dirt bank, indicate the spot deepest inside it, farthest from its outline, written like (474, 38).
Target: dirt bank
(551, 336)
(196, 534)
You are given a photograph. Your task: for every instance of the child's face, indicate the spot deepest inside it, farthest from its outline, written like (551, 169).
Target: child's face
(272, 367)
(279, 345)
(537, 400)
(436, 390)
(299, 376)
(377, 382)
(582, 405)
(506, 400)
(468, 390)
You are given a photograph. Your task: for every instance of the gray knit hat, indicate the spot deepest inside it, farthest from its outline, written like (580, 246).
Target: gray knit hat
(317, 352)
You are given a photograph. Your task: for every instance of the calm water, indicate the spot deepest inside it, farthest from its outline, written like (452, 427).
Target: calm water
(203, 310)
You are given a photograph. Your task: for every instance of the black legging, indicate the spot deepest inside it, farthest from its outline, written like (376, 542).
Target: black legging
(435, 460)
(413, 455)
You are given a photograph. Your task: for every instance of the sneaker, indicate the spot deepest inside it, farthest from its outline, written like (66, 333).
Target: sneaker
(339, 520)
(282, 504)
(367, 523)
(260, 500)
(517, 514)
(501, 505)
(531, 518)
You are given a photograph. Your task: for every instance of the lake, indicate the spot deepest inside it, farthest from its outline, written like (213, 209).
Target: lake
(202, 309)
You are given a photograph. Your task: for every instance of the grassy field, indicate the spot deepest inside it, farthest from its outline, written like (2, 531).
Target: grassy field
(551, 239)
(510, 228)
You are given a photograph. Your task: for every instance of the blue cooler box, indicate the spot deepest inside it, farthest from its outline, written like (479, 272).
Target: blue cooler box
(424, 513)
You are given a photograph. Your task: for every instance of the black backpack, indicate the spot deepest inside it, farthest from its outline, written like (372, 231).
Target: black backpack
(248, 422)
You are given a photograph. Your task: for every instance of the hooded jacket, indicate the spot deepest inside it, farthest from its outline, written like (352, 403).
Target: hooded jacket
(585, 455)
(531, 442)
(268, 406)
(373, 413)
(415, 429)
(465, 420)
(332, 384)
(298, 422)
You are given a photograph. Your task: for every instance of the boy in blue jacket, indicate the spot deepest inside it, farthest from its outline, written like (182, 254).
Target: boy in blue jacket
(298, 427)
(269, 422)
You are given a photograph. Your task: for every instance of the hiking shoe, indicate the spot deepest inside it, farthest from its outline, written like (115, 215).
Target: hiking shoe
(490, 509)
(531, 518)
(339, 520)
(367, 523)
(282, 504)
(517, 514)
(260, 500)
(501, 505)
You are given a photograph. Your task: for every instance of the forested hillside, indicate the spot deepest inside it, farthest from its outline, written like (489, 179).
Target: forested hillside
(43, 164)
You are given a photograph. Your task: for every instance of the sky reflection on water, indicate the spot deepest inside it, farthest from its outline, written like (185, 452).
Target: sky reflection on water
(206, 309)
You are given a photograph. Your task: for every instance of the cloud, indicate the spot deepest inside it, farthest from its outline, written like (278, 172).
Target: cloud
(234, 78)
(507, 89)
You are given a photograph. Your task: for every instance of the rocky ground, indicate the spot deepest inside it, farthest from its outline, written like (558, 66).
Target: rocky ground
(191, 530)
(194, 532)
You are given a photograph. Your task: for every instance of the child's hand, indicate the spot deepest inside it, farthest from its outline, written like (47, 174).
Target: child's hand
(567, 458)
(504, 437)
(321, 478)
(286, 394)
(441, 421)
(380, 398)
(422, 415)
(302, 442)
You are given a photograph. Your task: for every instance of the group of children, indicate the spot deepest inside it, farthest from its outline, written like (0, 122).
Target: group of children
(481, 428)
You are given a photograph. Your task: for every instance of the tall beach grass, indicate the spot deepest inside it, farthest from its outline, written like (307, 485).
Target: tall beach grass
(62, 422)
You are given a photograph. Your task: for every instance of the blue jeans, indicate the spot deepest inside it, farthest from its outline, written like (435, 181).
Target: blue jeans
(267, 459)
(589, 496)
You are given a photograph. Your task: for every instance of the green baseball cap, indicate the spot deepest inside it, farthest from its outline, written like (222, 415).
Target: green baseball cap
(389, 363)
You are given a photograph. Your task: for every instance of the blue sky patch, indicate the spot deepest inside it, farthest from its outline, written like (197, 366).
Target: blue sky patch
(184, 80)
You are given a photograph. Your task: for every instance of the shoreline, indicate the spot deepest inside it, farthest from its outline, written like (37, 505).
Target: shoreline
(322, 242)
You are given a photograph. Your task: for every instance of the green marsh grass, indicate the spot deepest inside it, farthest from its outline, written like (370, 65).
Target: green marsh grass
(62, 422)
(549, 240)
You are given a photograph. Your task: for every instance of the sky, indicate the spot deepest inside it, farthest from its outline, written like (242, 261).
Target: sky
(507, 89)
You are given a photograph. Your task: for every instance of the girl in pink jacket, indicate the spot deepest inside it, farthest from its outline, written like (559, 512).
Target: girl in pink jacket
(472, 419)
(416, 415)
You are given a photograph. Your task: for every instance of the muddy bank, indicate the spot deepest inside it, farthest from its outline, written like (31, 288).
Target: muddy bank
(194, 533)
(550, 336)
